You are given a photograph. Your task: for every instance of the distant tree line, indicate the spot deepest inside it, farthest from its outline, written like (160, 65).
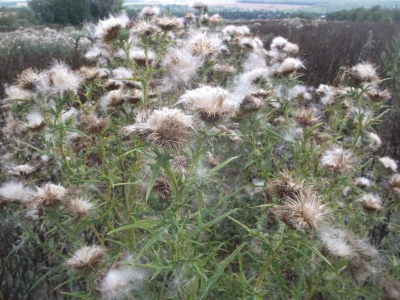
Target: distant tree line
(73, 11)
(361, 14)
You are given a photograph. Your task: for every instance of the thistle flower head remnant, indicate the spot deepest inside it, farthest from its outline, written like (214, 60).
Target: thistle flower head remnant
(388, 163)
(362, 182)
(394, 183)
(58, 79)
(80, 207)
(167, 23)
(16, 191)
(22, 170)
(107, 30)
(35, 121)
(306, 210)
(371, 202)
(288, 66)
(376, 95)
(390, 289)
(200, 5)
(86, 259)
(306, 117)
(205, 45)
(180, 65)
(281, 44)
(286, 186)
(93, 124)
(149, 11)
(160, 196)
(119, 282)
(376, 141)
(167, 128)
(50, 195)
(212, 104)
(15, 92)
(363, 72)
(336, 242)
(338, 160)
(215, 19)
(28, 80)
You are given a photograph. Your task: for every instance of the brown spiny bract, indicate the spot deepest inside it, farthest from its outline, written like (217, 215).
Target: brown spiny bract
(285, 186)
(376, 95)
(251, 104)
(93, 124)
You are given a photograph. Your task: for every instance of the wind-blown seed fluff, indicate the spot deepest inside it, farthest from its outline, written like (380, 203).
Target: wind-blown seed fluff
(167, 128)
(388, 163)
(119, 282)
(371, 202)
(80, 207)
(394, 183)
(86, 259)
(16, 191)
(180, 66)
(335, 242)
(364, 72)
(338, 160)
(362, 182)
(58, 79)
(35, 121)
(107, 30)
(50, 195)
(211, 103)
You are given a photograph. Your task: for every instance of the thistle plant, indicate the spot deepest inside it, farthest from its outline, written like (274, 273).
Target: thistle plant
(190, 162)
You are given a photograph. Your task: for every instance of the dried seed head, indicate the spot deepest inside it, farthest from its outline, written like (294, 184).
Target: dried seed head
(363, 72)
(388, 163)
(167, 23)
(224, 68)
(28, 80)
(86, 259)
(35, 121)
(306, 117)
(390, 289)
(251, 104)
(337, 243)
(107, 30)
(338, 160)
(149, 11)
(360, 269)
(371, 202)
(394, 183)
(22, 170)
(203, 47)
(286, 186)
(376, 95)
(80, 207)
(112, 100)
(16, 191)
(288, 66)
(362, 182)
(306, 210)
(90, 74)
(200, 5)
(50, 195)
(168, 128)
(94, 125)
(145, 28)
(376, 141)
(211, 103)
(215, 19)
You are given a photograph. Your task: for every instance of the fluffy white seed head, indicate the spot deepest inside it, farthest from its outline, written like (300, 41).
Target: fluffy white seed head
(211, 103)
(86, 259)
(336, 242)
(338, 160)
(16, 191)
(371, 202)
(107, 30)
(388, 163)
(34, 121)
(80, 207)
(362, 182)
(149, 11)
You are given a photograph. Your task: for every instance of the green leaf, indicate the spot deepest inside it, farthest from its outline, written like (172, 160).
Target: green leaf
(212, 222)
(218, 273)
(143, 225)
